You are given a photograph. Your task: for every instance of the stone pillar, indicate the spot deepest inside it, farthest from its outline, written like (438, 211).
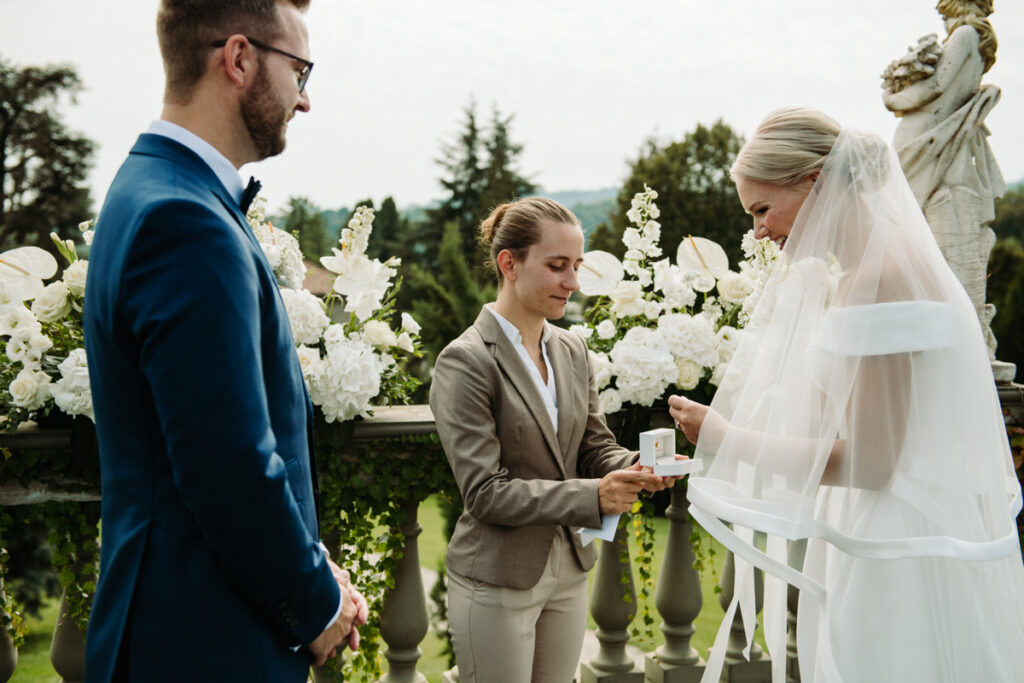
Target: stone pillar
(67, 649)
(403, 619)
(613, 613)
(8, 656)
(737, 668)
(679, 600)
(796, 551)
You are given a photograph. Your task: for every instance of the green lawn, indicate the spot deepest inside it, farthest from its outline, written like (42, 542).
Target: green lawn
(34, 657)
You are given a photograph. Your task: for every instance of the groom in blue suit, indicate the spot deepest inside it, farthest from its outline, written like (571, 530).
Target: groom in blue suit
(211, 567)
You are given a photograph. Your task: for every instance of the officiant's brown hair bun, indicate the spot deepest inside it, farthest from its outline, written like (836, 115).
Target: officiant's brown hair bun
(517, 226)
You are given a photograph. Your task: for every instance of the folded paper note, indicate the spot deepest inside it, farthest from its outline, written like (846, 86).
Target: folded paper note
(609, 523)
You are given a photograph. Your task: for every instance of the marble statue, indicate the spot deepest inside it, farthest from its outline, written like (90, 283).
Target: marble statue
(941, 139)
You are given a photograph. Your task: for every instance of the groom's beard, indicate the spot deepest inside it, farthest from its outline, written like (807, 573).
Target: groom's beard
(265, 117)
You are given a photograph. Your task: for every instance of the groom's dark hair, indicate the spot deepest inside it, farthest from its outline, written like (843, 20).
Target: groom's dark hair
(187, 30)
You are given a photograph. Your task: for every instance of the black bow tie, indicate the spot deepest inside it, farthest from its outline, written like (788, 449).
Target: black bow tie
(250, 192)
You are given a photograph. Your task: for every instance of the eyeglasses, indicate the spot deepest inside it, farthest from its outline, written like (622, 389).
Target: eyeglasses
(301, 76)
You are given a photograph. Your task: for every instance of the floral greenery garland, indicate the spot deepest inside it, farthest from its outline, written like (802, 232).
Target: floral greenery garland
(364, 488)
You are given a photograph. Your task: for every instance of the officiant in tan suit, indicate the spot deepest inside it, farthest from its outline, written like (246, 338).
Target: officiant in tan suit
(518, 416)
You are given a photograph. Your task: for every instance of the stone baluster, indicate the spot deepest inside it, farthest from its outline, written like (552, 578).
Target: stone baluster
(403, 619)
(679, 600)
(796, 551)
(8, 653)
(67, 649)
(737, 668)
(613, 607)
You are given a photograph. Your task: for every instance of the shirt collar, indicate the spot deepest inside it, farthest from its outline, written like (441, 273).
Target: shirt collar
(512, 332)
(218, 163)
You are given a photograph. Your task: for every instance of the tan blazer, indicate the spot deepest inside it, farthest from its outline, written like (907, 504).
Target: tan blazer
(520, 482)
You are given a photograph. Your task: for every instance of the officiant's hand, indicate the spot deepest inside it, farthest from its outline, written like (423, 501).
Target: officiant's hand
(689, 416)
(337, 634)
(662, 483)
(617, 491)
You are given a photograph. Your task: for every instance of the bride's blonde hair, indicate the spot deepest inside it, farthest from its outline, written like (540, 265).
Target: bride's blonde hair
(788, 145)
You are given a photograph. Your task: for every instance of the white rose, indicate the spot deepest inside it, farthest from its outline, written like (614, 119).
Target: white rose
(72, 392)
(53, 303)
(652, 309)
(627, 299)
(610, 400)
(689, 374)
(30, 389)
(719, 373)
(409, 324)
(606, 329)
(602, 369)
(74, 277)
(309, 361)
(584, 331)
(734, 288)
(405, 342)
(379, 334)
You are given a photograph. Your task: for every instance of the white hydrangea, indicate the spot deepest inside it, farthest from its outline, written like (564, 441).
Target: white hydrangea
(305, 314)
(643, 365)
(53, 303)
(30, 389)
(71, 392)
(689, 338)
(672, 282)
(348, 379)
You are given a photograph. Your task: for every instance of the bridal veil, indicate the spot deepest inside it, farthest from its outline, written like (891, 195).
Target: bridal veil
(859, 416)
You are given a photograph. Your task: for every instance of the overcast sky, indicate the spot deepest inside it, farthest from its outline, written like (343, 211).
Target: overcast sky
(587, 80)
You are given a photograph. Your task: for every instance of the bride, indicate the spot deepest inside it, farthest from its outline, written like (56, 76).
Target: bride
(859, 416)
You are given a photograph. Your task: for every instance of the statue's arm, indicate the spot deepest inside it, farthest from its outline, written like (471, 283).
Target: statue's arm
(957, 50)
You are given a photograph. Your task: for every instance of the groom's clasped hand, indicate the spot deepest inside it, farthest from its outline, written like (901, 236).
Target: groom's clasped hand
(345, 629)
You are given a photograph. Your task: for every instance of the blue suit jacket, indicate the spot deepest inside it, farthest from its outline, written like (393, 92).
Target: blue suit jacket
(210, 568)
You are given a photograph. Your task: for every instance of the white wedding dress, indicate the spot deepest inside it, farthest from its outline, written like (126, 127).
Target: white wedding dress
(859, 415)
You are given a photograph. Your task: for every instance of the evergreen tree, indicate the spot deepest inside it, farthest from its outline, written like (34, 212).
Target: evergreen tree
(1006, 291)
(306, 221)
(43, 166)
(1009, 220)
(391, 233)
(695, 194)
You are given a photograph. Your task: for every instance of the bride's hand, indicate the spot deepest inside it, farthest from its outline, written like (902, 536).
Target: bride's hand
(688, 415)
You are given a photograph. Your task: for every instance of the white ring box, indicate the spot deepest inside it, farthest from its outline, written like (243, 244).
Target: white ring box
(658, 451)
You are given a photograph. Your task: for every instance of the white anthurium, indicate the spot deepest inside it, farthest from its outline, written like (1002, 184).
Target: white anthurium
(22, 271)
(701, 255)
(599, 273)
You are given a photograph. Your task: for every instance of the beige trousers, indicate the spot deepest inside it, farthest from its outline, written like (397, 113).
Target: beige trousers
(504, 635)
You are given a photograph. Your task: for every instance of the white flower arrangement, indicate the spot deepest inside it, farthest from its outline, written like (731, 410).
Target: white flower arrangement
(350, 362)
(663, 327)
(42, 359)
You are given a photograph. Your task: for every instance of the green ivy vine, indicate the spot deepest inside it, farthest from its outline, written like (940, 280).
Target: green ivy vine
(364, 489)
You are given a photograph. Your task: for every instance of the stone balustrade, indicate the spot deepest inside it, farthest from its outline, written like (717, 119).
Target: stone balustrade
(404, 620)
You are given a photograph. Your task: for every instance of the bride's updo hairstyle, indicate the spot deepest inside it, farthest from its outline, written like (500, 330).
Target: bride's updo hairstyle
(790, 144)
(518, 225)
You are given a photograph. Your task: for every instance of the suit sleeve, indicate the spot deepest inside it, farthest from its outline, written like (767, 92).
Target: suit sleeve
(461, 400)
(193, 302)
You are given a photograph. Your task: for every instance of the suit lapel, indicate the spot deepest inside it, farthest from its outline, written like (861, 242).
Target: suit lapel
(561, 365)
(511, 364)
